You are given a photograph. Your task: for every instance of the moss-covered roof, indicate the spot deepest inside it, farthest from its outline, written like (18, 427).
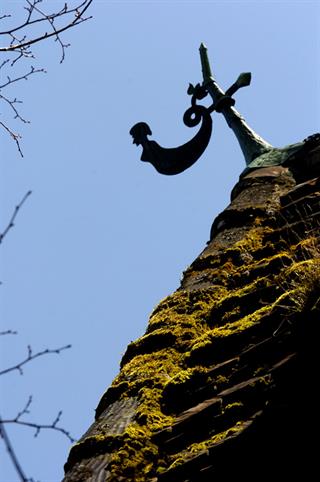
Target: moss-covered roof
(216, 380)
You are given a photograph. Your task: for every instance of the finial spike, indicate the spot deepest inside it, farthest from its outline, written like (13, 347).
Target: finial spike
(252, 145)
(205, 64)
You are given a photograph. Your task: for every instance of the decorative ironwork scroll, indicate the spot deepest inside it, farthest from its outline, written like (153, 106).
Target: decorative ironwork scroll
(257, 152)
(177, 159)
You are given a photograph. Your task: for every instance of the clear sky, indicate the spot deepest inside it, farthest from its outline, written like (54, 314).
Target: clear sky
(104, 237)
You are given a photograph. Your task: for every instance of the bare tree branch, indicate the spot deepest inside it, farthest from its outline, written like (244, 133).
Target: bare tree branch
(4, 63)
(22, 77)
(37, 26)
(4, 16)
(15, 136)
(8, 332)
(24, 42)
(12, 103)
(32, 356)
(17, 41)
(14, 215)
(37, 426)
(18, 419)
(12, 454)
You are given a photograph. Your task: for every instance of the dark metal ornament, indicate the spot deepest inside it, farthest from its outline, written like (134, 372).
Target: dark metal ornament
(257, 152)
(175, 160)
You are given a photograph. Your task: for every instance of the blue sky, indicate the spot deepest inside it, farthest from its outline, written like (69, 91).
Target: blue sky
(104, 237)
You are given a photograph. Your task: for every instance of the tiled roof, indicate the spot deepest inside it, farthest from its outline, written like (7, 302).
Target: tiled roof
(222, 385)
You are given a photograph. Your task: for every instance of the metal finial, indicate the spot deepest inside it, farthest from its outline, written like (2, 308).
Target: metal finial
(205, 64)
(257, 152)
(252, 145)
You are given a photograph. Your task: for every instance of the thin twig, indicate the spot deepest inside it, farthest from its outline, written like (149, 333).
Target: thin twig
(4, 16)
(22, 77)
(11, 452)
(12, 104)
(20, 39)
(14, 215)
(16, 138)
(51, 19)
(4, 63)
(8, 332)
(32, 356)
(77, 20)
(28, 22)
(37, 426)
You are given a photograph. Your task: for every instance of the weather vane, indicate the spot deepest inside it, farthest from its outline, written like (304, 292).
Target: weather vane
(257, 152)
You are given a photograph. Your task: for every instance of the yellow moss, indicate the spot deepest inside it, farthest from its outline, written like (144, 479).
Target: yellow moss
(301, 283)
(188, 317)
(229, 328)
(242, 324)
(239, 293)
(135, 459)
(309, 247)
(237, 326)
(92, 440)
(258, 371)
(231, 314)
(223, 435)
(133, 453)
(185, 375)
(227, 268)
(283, 258)
(186, 307)
(265, 379)
(178, 302)
(195, 448)
(299, 268)
(158, 366)
(254, 239)
(186, 314)
(149, 410)
(220, 379)
(178, 325)
(232, 406)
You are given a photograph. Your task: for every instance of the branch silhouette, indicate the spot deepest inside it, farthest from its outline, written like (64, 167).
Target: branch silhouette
(22, 45)
(32, 356)
(18, 419)
(37, 426)
(19, 38)
(8, 332)
(40, 23)
(12, 454)
(14, 215)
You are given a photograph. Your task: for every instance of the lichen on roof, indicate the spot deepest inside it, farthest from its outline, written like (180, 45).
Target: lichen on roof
(222, 356)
